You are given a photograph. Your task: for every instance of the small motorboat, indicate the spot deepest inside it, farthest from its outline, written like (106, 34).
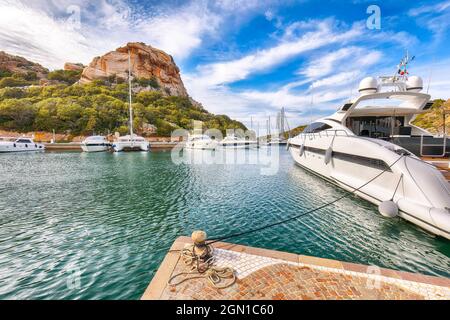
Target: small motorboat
(200, 142)
(20, 145)
(95, 144)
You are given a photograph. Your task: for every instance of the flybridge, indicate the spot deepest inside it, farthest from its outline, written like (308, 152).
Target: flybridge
(398, 94)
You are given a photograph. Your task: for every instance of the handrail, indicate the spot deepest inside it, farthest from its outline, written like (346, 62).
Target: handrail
(444, 147)
(312, 135)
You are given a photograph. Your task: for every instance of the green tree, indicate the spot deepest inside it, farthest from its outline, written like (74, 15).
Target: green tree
(13, 82)
(17, 114)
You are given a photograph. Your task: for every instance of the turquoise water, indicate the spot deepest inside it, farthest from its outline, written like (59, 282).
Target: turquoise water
(95, 226)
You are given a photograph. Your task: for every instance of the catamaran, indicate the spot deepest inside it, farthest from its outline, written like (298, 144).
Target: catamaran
(371, 148)
(131, 142)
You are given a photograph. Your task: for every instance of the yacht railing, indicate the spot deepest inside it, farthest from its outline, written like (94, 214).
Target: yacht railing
(444, 147)
(325, 133)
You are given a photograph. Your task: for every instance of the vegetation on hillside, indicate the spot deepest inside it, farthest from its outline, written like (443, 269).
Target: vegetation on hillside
(433, 120)
(65, 76)
(9, 79)
(98, 107)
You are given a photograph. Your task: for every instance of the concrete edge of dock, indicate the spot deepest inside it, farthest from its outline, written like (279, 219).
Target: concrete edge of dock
(159, 283)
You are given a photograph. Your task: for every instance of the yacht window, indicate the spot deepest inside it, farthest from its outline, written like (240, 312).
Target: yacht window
(346, 106)
(377, 127)
(23, 141)
(316, 127)
(428, 106)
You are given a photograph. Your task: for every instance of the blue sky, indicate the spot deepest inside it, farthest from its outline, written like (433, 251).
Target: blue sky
(245, 58)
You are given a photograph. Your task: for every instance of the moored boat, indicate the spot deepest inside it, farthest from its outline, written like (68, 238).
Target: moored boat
(200, 142)
(234, 142)
(20, 145)
(95, 144)
(357, 148)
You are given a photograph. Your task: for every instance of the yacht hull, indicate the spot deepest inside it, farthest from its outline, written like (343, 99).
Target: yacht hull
(119, 147)
(201, 145)
(19, 147)
(90, 148)
(418, 189)
(238, 145)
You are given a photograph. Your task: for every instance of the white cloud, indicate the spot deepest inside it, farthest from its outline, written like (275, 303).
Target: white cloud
(346, 57)
(265, 59)
(43, 31)
(435, 17)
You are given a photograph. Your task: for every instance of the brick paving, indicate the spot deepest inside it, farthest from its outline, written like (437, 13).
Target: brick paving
(289, 282)
(266, 274)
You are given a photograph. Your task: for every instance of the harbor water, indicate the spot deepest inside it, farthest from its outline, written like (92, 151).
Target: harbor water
(97, 226)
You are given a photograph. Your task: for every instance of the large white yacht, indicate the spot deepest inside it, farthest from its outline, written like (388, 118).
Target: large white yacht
(95, 144)
(200, 142)
(20, 145)
(234, 142)
(369, 147)
(131, 142)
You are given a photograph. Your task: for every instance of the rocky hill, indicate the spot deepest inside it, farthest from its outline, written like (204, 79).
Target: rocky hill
(147, 63)
(79, 100)
(10, 64)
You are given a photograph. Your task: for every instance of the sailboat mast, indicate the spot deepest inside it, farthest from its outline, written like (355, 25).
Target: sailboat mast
(129, 93)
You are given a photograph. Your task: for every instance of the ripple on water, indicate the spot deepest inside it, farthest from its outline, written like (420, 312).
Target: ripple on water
(109, 218)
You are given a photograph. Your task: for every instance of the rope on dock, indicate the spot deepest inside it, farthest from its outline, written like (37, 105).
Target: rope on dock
(199, 257)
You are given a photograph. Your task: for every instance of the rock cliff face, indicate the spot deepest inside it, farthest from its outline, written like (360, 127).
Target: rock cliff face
(16, 64)
(146, 63)
(69, 66)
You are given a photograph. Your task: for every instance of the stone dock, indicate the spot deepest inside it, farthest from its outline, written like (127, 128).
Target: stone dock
(274, 275)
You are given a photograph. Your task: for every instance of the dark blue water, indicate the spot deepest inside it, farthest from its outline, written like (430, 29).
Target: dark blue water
(96, 226)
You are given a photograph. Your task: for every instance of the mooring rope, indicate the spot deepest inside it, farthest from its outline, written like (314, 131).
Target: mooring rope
(202, 265)
(234, 235)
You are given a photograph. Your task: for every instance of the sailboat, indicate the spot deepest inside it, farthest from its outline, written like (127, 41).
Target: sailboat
(278, 138)
(131, 142)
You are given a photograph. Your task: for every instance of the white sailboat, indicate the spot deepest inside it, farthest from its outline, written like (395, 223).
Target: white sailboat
(131, 142)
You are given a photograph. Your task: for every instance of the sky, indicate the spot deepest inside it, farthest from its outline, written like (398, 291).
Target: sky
(247, 59)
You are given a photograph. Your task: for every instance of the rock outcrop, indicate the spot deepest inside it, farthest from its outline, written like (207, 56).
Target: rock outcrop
(16, 64)
(69, 66)
(146, 63)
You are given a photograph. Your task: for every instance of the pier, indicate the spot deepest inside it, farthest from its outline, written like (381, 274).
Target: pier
(274, 275)
(442, 164)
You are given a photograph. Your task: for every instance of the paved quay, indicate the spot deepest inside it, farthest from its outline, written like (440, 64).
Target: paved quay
(274, 275)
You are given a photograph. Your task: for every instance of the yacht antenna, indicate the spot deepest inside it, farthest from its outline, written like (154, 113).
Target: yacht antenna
(129, 93)
(429, 80)
(402, 68)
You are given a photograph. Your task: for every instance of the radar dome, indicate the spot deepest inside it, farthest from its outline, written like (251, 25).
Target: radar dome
(368, 85)
(414, 84)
